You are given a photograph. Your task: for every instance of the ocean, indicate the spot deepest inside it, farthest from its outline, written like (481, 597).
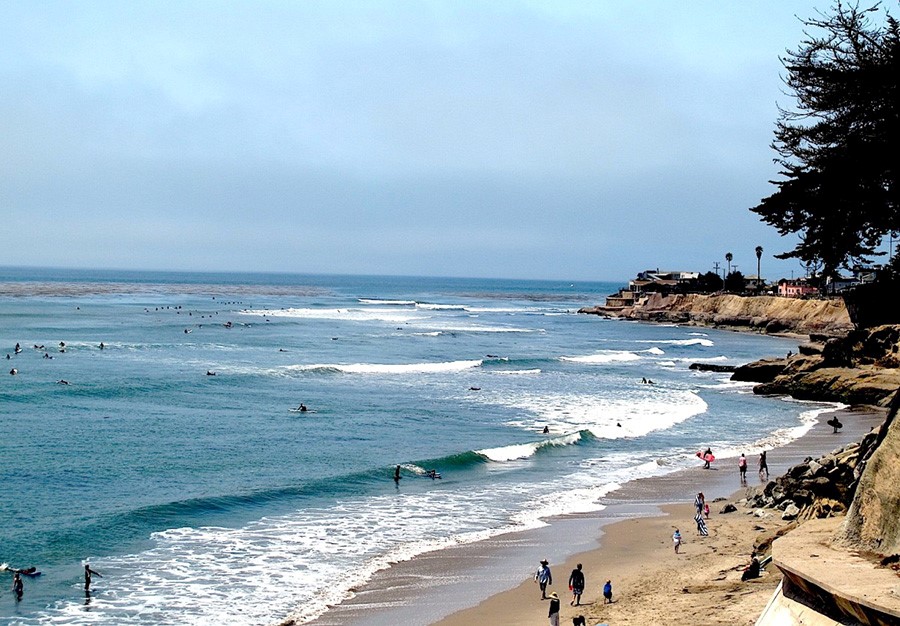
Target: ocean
(172, 462)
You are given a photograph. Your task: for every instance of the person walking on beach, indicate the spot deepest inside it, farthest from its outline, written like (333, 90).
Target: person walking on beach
(699, 502)
(543, 577)
(742, 468)
(676, 538)
(701, 525)
(707, 457)
(554, 609)
(607, 592)
(88, 572)
(576, 584)
(763, 465)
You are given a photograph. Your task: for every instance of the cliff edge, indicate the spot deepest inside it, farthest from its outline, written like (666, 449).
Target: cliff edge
(768, 314)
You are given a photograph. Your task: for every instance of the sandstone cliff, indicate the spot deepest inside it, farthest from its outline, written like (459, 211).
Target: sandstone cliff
(860, 368)
(760, 313)
(873, 521)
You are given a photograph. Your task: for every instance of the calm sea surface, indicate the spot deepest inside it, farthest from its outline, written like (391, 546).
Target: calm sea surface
(203, 499)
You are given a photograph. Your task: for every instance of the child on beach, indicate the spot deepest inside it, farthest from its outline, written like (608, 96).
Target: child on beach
(607, 591)
(706, 509)
(677, 539)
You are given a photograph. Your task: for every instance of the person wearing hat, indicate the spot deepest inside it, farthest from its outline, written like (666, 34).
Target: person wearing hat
(543, 577)
(554, 609)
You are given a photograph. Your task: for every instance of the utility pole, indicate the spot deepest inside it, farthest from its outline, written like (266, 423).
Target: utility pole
(716, 267)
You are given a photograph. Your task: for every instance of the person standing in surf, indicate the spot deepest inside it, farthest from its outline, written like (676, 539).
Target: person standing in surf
(763, 465)
(18, 586)
(742, 468)
(88, 572)
(397, 475)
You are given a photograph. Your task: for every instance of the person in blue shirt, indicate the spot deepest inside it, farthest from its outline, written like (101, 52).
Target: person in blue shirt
(544, 578)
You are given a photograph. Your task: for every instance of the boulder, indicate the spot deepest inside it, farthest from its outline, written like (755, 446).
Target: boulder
(759, 372)
(791, 512)
(728, 508)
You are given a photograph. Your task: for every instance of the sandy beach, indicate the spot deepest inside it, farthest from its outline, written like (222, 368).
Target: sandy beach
(629, 543)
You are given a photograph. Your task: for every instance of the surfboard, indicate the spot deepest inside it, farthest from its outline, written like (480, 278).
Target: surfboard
(299, 411)
(706, 457)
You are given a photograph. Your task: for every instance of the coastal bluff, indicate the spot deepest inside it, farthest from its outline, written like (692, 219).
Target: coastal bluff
(765, 314)
(841, 570)
(862, 367)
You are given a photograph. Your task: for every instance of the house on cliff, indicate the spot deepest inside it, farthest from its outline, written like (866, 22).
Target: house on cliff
(652, 281)
(799, 288)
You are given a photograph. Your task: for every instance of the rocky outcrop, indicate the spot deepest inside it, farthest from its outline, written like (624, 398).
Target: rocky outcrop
(712, 367)
(818, 488)
(860, 368)
(767, 314)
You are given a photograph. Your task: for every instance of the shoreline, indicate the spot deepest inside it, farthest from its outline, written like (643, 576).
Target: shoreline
(491, 580)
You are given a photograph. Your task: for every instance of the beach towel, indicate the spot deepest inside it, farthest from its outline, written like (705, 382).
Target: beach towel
(701, 525)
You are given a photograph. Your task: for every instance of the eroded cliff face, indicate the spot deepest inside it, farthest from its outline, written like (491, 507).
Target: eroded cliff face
(861, 368)
(873, 521)
(761, 313)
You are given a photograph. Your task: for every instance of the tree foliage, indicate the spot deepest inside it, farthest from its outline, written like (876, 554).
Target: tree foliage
(735, 282)
(709, 282)
(838, 151)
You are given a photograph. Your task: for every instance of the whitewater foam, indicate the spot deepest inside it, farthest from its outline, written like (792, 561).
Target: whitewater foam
(605, 356)
(386, 368)
(525, 450)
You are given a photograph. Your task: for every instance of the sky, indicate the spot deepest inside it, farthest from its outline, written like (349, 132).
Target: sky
(546, 140)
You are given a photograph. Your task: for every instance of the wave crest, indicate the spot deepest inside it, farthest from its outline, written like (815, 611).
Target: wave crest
(519, 451)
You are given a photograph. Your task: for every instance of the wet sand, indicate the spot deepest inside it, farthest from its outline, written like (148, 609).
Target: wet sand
(628, 542)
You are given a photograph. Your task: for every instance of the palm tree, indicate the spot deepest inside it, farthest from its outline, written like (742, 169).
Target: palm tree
(728, 257)
(759, 252)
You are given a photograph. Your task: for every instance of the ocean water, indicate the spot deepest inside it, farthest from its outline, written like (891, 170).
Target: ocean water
(204, 499)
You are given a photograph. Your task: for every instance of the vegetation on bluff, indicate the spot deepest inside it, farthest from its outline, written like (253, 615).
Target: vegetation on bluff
(838, 149)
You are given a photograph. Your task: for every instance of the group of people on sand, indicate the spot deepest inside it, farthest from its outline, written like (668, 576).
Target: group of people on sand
(763, 464)
(544, 578)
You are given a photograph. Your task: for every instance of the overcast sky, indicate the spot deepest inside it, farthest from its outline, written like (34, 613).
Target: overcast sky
(565, 140)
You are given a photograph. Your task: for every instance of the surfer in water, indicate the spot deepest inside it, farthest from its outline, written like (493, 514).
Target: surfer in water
(546, 430)
(88, 572)
(432, 474)
(302, 408)
(397, 475)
